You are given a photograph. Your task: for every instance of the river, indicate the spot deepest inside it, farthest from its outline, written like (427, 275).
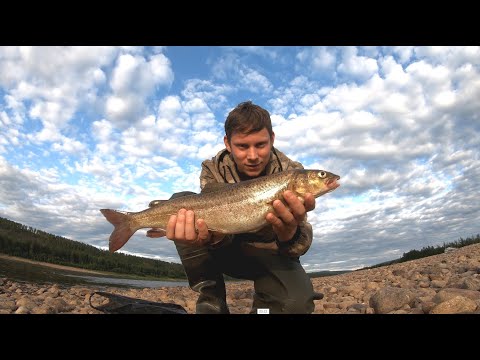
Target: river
(36, 273)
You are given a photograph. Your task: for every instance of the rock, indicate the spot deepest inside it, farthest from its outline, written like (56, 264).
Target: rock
(471, 283)
(22, 310)
(441, 284)
(389, 299)
(456, 305)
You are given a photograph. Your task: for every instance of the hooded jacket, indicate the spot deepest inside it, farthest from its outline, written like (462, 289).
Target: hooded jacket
(222, 169)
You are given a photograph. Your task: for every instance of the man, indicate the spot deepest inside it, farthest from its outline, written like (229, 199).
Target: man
(269, 257)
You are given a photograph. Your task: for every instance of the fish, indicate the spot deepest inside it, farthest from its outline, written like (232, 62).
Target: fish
(225, 208)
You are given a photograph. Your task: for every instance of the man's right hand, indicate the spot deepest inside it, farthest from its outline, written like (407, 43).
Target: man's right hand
(181, 228)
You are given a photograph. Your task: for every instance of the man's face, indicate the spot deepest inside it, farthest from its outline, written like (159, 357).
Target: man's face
(250, 152)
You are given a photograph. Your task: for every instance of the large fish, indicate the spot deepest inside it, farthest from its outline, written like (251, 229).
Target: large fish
(226, 208)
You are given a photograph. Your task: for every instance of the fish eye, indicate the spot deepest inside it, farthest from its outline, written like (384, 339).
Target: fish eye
(322, 174)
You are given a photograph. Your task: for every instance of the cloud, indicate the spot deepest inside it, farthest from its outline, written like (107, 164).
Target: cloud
(85, 128)
(69, 146)
(318, 59)
(267, 52)
(358, 67)
(132, 82)
(231, 66)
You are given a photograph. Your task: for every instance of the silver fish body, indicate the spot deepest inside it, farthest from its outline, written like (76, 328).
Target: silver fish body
(226, 208)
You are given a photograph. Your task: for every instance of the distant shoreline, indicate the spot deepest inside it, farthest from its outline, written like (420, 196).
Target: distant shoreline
(56, 266)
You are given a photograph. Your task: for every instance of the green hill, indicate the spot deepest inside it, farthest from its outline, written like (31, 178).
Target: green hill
(24, 241)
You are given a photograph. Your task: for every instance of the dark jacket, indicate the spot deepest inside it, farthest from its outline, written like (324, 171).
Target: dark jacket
(222, 169)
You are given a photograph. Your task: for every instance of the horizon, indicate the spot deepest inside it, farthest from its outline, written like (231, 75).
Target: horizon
(85, 128)
(310, 272)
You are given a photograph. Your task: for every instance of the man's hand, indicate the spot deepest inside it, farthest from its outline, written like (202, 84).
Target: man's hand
(181, 228)
(286, 218)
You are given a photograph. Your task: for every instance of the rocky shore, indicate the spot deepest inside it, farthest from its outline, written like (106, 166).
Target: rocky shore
(442, 284)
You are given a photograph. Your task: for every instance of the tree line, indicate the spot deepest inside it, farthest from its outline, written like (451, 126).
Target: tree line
(430, 250)
(27, 242)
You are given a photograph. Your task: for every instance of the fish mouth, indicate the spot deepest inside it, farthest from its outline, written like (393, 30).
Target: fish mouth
(332, 183)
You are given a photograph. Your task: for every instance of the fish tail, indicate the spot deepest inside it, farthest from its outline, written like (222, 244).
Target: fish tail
(122, 231)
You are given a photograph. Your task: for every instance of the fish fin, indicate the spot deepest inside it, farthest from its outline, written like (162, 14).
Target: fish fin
(217, 238)
(211, 187)
(122, 231)
(156, 202)
(254, 231)
(156, 233)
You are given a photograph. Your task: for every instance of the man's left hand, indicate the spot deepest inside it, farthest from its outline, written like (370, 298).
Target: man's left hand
(287, 217)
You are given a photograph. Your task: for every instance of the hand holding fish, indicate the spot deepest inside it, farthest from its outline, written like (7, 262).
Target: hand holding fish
(181, 228)
(287, 217)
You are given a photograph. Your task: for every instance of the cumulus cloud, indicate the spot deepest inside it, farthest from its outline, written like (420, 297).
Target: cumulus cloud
(133, 80)
(317, 59)
(357, 67)
(116, 127)
(69, 146)
(231, 66)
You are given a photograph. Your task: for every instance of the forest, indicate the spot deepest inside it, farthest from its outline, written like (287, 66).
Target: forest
(27, 242)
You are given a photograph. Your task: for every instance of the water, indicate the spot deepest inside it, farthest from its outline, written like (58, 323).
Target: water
(23, 271)
(129, 282)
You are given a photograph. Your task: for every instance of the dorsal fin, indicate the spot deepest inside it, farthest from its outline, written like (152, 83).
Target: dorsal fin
(210, 187)
(156, 202)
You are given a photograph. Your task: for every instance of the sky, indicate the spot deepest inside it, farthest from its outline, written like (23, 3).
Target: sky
(86, 128)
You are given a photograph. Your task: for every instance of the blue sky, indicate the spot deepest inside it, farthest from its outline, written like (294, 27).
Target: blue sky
(85, 128)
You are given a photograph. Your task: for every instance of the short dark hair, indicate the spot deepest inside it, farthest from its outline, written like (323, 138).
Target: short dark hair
(247, 118)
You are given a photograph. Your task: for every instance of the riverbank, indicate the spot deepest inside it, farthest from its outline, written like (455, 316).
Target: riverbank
(81, 270)
(441, 284)
(55, 266)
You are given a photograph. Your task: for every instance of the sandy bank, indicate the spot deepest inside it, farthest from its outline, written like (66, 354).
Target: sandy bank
(55, 266)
